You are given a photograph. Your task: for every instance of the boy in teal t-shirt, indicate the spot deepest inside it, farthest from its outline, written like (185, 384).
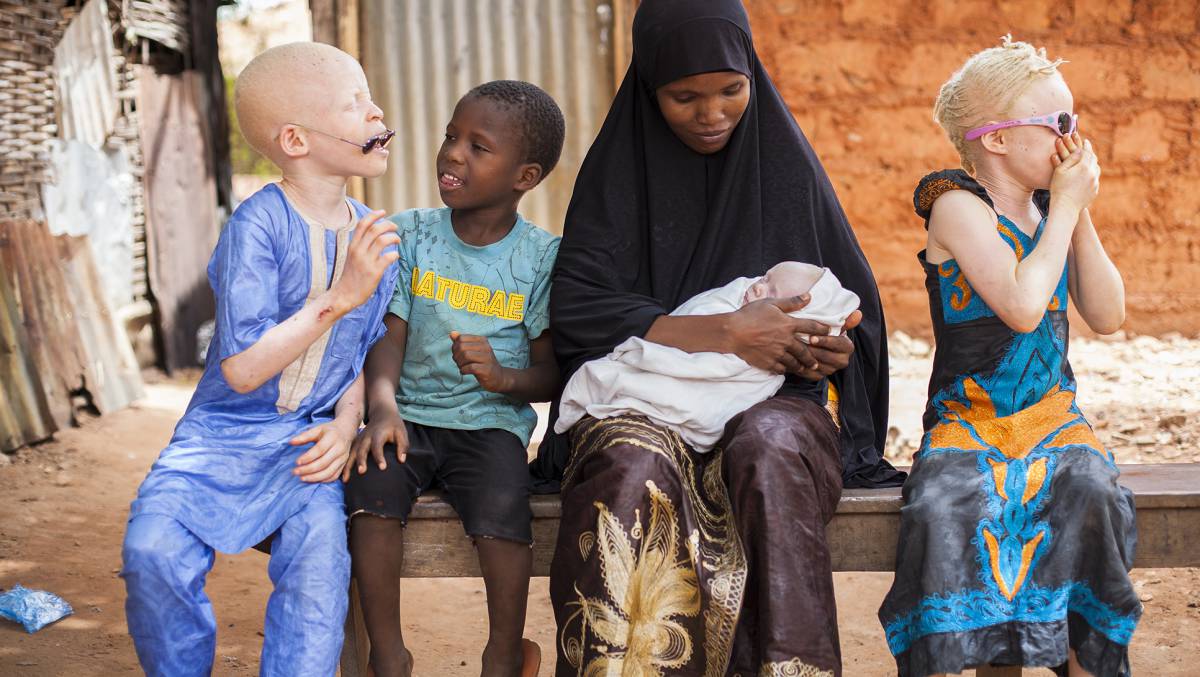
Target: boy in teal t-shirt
(498, 291)
(449, 387)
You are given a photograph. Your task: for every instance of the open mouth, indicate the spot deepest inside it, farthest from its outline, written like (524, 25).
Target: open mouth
(448, 181)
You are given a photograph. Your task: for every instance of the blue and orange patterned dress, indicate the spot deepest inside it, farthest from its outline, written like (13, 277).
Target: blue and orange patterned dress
(1015, 539)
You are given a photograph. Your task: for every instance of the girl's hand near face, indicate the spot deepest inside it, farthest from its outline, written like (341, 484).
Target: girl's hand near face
(1076, 172)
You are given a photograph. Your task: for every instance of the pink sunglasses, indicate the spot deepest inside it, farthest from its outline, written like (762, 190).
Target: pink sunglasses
(1062, 122)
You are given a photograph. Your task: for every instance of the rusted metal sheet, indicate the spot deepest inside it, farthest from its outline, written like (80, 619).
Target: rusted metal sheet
(181, 217)
(58, 337)
(86, 77)
(29, 259)
(24, 416)
(422, 55)
(110, 372)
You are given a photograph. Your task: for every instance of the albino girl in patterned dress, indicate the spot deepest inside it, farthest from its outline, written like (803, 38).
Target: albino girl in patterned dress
(1016, 539)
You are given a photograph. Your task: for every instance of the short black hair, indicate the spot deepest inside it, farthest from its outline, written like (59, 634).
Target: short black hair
(538, 116)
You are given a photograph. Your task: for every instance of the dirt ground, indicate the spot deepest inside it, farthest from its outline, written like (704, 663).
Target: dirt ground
(63, 506)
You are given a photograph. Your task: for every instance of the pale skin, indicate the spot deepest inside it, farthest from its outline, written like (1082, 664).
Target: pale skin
(1011, 164)
(782, 280)
(962, 227)
(703, 111)
(315, 171)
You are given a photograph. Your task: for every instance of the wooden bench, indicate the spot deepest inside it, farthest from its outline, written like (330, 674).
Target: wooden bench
(862, 537)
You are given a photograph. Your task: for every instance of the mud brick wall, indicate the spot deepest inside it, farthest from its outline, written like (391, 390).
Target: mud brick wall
(861, 77)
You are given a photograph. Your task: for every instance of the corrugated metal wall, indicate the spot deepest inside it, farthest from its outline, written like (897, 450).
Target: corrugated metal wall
(422, 55)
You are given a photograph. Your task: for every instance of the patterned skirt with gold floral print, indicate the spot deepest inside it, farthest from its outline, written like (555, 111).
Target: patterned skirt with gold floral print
(650, 575)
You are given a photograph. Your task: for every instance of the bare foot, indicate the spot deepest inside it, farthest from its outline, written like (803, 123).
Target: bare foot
(502, 661)
(531, 657)
(383, 667)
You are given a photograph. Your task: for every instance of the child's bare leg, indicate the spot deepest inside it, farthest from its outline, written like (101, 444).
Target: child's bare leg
(506, 567)
(1074, 669)
(376, 551)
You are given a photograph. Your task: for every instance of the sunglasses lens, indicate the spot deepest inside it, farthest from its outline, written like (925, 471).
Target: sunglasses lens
(1066, 123)
(378, 141)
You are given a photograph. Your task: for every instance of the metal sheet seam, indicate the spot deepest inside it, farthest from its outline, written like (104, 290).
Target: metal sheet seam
(422, 55)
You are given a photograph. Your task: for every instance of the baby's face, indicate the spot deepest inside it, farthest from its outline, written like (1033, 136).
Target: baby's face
(789, 278)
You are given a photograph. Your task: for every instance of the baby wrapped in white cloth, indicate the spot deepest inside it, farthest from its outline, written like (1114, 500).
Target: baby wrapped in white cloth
(695, 394)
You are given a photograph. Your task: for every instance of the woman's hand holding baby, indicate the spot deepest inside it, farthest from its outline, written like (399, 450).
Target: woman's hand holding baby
(1076, 178)
(832, 353)
(765, 336)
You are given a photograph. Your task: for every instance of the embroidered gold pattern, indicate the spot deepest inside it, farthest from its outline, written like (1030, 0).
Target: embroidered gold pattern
(831, 405)
(727, 564)
(648, 588)
(636, 630)
(792, 668)
(587, 541)
(931, 191)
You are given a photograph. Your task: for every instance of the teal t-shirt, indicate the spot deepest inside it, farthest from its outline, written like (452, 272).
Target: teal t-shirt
(500, 291)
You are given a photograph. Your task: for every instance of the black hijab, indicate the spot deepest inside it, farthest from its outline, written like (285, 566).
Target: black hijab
(652, 223)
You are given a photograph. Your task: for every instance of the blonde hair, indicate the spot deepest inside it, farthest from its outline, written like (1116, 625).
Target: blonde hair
(986, 87)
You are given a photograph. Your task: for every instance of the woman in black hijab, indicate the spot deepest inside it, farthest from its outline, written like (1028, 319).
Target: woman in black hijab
(670, 560)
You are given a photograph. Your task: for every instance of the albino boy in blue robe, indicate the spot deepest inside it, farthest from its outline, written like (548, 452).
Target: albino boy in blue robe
(302, 276)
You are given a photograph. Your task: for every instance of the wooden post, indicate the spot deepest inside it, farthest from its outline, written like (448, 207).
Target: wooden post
(324, 20)
(349, 14)
(336, 22)
(356, 647)
(622, 38)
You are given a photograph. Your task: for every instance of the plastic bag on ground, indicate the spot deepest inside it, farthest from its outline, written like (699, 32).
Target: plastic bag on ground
(34, 609)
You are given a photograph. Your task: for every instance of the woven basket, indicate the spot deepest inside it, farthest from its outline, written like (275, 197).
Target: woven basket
(29, 29)
(163, 21)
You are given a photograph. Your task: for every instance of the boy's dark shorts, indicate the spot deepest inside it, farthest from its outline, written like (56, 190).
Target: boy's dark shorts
(483, 473)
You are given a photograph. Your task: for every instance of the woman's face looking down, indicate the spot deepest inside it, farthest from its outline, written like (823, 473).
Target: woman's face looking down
(704, 109)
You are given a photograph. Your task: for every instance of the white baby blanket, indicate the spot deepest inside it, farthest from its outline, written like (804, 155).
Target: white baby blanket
(695, 394)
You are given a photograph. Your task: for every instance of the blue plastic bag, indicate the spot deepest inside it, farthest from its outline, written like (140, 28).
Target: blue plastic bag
(34, 609)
